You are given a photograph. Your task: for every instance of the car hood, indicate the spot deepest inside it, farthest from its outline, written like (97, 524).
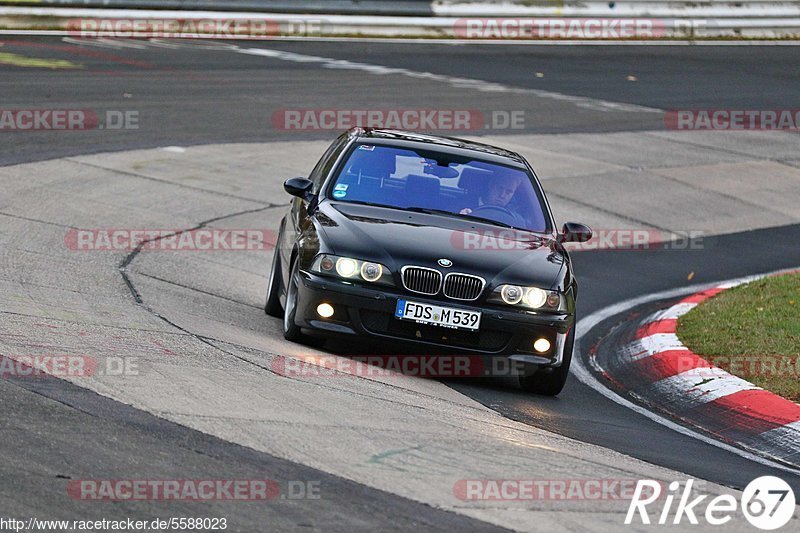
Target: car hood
(398, 238)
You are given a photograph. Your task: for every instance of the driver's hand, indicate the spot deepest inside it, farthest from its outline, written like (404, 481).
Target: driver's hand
(465, 211)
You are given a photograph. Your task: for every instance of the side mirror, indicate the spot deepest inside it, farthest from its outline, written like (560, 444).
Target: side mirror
(300, 187)
(575, 232)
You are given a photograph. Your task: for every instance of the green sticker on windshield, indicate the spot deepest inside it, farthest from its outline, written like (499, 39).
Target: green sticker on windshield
(339, 194)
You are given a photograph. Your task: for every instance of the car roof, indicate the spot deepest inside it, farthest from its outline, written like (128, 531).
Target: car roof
(444, 144)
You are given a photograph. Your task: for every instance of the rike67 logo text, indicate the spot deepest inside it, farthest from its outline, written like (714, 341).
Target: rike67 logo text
(767, 502)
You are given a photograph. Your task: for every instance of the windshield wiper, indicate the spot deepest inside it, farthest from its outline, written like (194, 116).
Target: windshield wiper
(431, 211)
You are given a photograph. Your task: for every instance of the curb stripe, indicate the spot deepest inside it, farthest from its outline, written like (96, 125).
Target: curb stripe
(670, 363)
(667, 325)
(652, 345)
(676, 311)
(699, 297)
(693, 389)
(659, 369)
(763, 405)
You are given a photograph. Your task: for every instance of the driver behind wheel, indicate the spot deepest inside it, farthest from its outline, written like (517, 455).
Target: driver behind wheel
(499, 193)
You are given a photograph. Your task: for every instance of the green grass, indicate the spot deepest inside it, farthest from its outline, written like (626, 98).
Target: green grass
(752, 331)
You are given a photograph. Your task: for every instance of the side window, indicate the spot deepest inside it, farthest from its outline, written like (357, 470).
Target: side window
(326, 162)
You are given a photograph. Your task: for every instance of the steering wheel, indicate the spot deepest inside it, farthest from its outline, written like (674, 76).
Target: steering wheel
(498, 214)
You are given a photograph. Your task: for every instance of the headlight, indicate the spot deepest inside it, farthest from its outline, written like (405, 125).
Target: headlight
(371, 271)
(346, 267)
(511, 294)
(529, 297)
(349, 268)
(535, 297)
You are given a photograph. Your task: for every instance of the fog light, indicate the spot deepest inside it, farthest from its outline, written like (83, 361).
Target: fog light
(541, 345)
(326, 311)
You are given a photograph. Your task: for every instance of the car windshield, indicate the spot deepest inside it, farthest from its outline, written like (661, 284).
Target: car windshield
(430, 181)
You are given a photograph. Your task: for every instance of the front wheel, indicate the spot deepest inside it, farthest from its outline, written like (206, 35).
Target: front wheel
(273, 305)
(550, 381)
(291, 331)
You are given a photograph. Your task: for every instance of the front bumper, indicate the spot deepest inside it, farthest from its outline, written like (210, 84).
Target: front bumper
(369, 312)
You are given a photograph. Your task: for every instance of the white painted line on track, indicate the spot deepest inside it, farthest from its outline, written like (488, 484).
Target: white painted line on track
(454, 81)
(458, 82)
(585, 376)
(115, 44)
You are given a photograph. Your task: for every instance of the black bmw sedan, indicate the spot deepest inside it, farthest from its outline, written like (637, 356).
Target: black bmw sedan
(445, 243)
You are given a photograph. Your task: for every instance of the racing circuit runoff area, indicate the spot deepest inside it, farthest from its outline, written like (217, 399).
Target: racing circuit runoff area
(187, 392)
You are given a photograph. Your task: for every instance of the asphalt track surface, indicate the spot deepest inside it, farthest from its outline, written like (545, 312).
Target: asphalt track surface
(195, 95)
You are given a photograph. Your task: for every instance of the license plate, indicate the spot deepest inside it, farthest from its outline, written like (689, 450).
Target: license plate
(436, 315)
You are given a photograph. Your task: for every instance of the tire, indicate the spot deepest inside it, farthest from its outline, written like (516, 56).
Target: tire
(550, 381)
(273, 305)
(291, 331)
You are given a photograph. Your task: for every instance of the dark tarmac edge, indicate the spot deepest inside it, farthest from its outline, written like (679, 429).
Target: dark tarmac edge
(55, 432)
